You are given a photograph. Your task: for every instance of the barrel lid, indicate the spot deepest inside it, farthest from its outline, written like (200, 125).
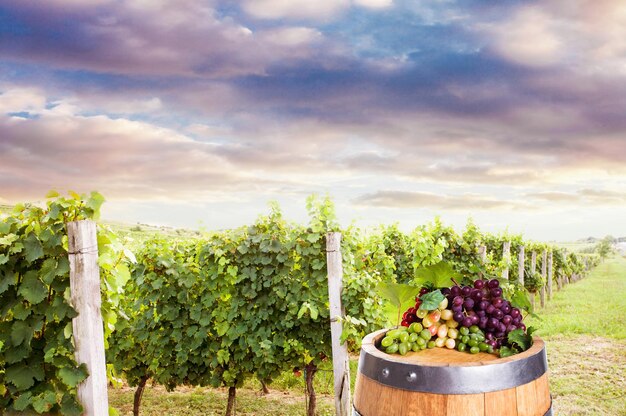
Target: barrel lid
(445, 371)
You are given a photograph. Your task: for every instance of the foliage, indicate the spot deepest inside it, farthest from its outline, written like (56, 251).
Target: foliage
(438, 275)
(517, 341)
(234, 304)
(398, 298)
(38, 372)
(533, 281)
(605, 246)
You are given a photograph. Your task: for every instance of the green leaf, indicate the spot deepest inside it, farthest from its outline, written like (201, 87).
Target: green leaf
(20, 332)
(52, 194)
(33, 247)
(314, 312)
(94, 202)
(431, 300)
(52, 268)
(3, 259)
(505, 351)
(521, 339)
(303, 309)
(113, 411)
(521, 300)
(32, 289)
(399, 297)
(67, 331)
(6, 280)
(222, 356)
(69, 406)
(222, 328)
(44, 401)
(21, 376)
(7, 240)
(72, 376)
(438, 275)
(22, 402)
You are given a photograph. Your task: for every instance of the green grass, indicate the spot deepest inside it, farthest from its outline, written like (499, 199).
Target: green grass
(583, 326)
(594, 306)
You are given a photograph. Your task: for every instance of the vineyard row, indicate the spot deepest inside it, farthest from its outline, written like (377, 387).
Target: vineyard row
(215, 310)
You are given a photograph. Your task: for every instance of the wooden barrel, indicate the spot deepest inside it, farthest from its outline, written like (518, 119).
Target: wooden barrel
(439, 381)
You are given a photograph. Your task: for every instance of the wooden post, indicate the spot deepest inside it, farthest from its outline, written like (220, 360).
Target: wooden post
(565, 278)
(341, 364)
(533, 268)
(544, 273)
(520, 265)
(482, 253)
(550, 275)
(506, 254)
(87, 326)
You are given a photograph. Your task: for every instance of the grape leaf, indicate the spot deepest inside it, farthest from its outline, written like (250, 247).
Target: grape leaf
(32, 288)
(7, 240)
(22, 402)
(21, 331)
(399, 297)
(72, 376)
(438, 275)
(69, 406)
(507, 352)
(44, 401)
(521, 339)
(34, 249)
(94, 202)
(431, 300)
(521, 300)
(21, 376)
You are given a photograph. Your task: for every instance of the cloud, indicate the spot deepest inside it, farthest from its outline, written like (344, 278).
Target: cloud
(530, 38)
(301, 9)
(21, 100)
(582, 197)
(374, 4)
(584, 34)
(120, 157)
(184, 38)
(405, 199)
(307, 9)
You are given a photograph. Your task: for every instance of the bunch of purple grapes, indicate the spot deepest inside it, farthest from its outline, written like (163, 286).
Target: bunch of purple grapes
(483, 305)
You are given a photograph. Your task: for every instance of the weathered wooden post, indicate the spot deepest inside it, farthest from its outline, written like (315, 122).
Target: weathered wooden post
(533, 268)
(87, 326)
(482, 254)
(520, 265)
(544, 273)
(550, 275)
(565, 277)
(341, 364)
(506, 255)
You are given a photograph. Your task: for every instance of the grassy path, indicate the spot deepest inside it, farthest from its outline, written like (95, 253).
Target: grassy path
(584, 327)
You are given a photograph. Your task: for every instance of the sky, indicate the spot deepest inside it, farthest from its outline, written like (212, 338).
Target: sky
(197, 113)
